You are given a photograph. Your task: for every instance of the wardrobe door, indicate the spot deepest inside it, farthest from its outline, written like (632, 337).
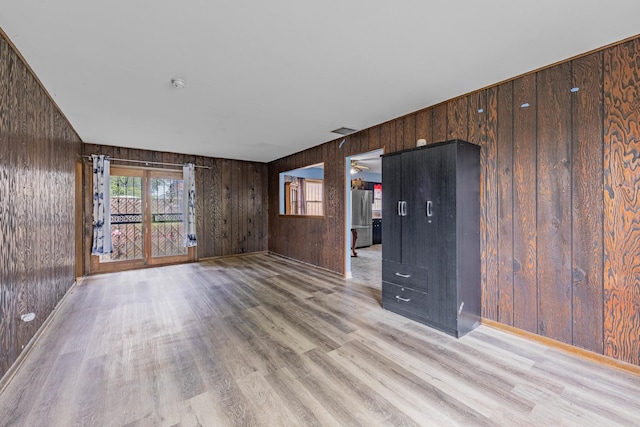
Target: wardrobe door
(392, 208)
(414, 230)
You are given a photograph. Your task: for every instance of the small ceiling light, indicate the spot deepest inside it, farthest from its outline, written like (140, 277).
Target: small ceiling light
(344, 131)
(178, 83)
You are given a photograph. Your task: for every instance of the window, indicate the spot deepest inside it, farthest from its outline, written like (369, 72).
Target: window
(302, 191)
(313, 191)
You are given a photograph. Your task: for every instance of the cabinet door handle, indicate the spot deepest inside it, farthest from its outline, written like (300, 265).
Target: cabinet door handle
(403, 299)
(406, 276)
(429, 208)
(404, 208)
(399, 208)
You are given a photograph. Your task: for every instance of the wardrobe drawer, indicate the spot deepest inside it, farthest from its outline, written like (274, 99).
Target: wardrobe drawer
(404, 275)
(404, 300)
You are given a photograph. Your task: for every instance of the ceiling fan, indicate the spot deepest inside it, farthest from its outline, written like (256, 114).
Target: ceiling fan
(356, 168)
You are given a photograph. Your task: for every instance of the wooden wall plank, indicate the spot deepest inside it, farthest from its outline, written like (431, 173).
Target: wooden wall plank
(329, 154)
(622, 202)
(554, 202)
(481, 124)
(227, 207)
(525, 298)
(338, 215)
(439, 123)
(399, 135)
(216, 195)
(476, 128)
(587, 201)
(457, 111)
(387, 137)
(335, 204)
(424, 127)
(21, 198)
(504, 143)
(374, 138)
(491, 184)
(409, 132)
(262, 211)
(251, 207)
(363, 137)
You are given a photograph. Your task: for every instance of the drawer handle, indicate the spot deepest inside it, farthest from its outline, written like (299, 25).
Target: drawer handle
(403, 299)
(406, 276)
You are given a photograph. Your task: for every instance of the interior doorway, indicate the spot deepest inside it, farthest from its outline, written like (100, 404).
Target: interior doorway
(364, 219)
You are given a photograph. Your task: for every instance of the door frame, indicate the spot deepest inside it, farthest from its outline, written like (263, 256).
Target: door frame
(348, 208)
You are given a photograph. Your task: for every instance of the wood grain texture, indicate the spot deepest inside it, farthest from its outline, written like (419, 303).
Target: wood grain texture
(476, 134)
(387, 137)
(424, 127)
(399, 139)
(587, 202)
(504, 144)
(490, 296)
(409, 134)
(554, 203)
(457, 112)
(482, 131)
(37, 204)
(622, 201)
(374, 139)
(525, 292)
(439, 123)
(260, 340)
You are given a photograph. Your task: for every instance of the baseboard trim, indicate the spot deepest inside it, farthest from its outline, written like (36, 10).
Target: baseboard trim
(317, 267)
(567, 348)
(17, 364)
(212, 258)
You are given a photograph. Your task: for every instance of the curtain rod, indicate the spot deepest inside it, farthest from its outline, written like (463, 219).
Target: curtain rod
(149, 162)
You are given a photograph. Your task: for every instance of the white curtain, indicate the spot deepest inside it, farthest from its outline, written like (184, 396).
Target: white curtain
(101, 206)
(189, 205)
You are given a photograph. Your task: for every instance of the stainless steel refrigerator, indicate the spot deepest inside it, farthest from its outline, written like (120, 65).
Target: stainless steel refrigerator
(361, 203)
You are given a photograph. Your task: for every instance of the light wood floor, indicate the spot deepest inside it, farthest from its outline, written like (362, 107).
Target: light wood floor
(258, 340)
(367, 266)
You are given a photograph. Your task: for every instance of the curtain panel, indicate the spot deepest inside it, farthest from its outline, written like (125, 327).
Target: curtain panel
(101, 205)
(189, 205)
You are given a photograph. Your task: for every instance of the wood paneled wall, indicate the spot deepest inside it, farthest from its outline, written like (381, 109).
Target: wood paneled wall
(560, 197)
(231, 200)
(38, 153)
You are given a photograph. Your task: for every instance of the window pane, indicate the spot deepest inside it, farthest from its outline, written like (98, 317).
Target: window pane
(166, 217)
(126, 218)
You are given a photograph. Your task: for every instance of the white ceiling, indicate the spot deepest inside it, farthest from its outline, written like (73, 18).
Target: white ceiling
(267, 79)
